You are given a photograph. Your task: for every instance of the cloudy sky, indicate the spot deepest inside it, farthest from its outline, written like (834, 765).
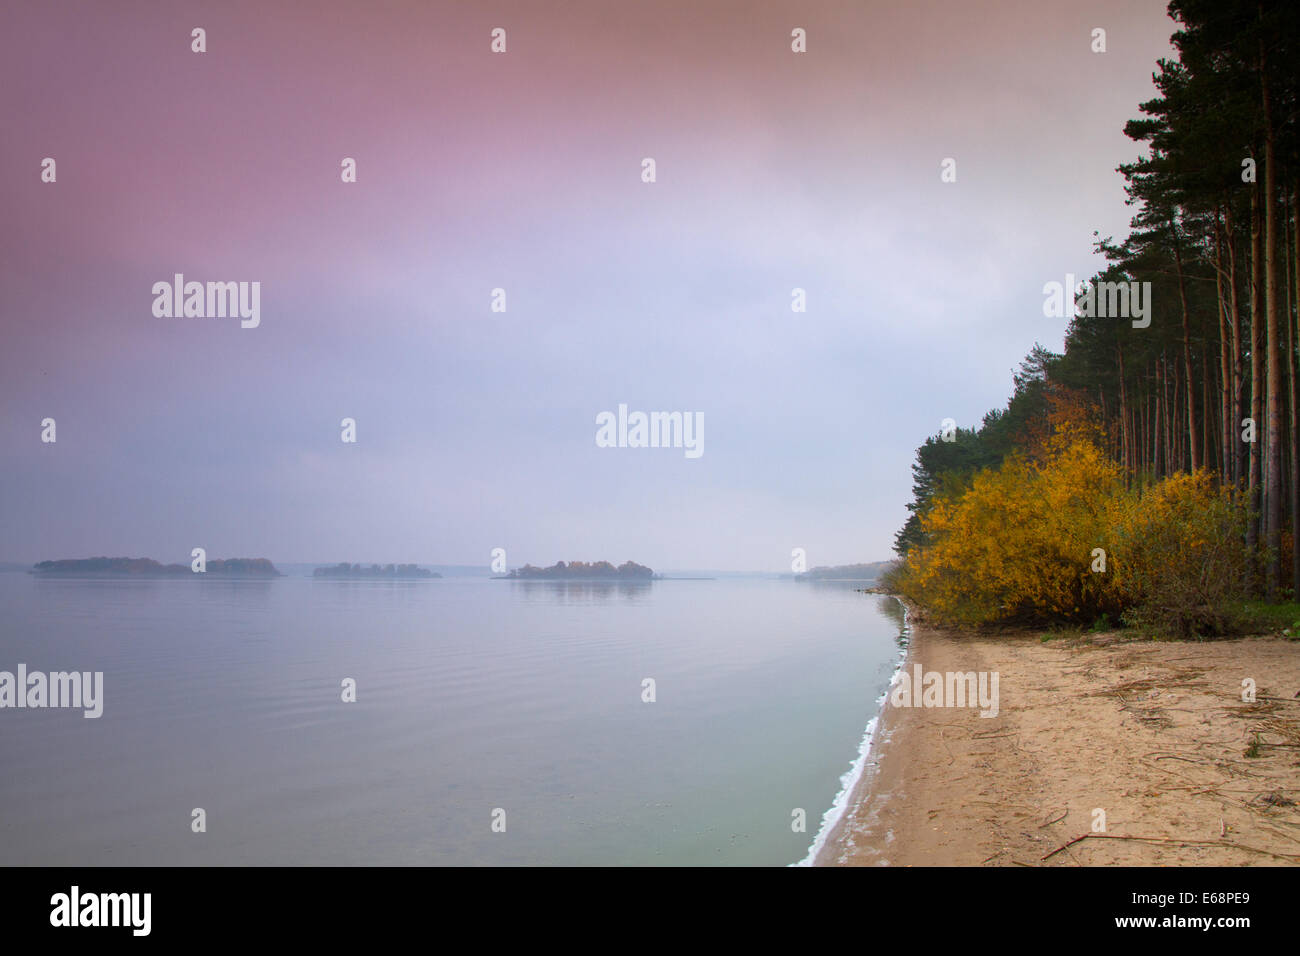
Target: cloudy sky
(523, 171)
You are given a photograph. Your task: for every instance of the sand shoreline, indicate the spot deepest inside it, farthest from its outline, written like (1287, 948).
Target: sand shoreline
(1153, 735)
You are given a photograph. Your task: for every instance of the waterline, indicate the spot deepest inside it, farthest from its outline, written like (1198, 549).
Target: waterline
(849, 781)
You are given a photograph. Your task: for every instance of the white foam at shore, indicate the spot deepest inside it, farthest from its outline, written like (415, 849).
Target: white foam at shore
(849, 781)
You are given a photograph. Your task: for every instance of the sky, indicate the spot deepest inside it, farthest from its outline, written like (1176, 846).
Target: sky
(523, 171)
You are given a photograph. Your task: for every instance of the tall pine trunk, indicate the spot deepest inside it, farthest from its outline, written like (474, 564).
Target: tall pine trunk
(1238, 360)
(1192, 449)
(1255, 470)
(1295, 410)
(1273, 473)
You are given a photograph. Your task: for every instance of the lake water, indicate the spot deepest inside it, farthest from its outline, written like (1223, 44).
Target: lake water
(473, 695)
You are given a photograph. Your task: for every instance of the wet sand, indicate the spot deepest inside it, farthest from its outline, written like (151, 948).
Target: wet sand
(1152, 734)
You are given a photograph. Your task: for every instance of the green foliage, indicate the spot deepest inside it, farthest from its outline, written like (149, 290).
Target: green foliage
(1259, 615)
(946, 468)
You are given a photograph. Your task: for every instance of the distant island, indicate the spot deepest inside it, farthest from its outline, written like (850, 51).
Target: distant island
(345, 570)
(581, 571)
(148, 568)
(846, 572)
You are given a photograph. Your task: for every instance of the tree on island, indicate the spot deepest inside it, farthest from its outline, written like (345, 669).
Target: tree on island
(573, 570)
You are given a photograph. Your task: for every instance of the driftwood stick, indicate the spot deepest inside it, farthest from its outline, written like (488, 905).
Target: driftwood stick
(1064, 813)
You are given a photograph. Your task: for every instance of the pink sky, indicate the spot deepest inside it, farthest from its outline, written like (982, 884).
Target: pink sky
(775, 170)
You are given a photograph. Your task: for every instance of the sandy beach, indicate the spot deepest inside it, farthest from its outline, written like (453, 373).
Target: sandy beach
(1154, 735)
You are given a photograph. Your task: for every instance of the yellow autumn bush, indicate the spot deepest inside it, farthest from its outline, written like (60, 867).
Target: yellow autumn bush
(1185, 562)
(1019, 544)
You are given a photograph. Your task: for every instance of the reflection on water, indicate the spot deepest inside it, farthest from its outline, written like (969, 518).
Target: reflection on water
(111, 582)
(582, 592)
(471, 694)
(892, 608)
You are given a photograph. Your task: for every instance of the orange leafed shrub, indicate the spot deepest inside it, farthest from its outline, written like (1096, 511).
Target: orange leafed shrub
(1021, 543)
(1185, 560)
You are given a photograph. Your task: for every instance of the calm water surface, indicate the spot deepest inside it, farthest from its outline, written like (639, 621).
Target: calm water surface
(472, 695)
